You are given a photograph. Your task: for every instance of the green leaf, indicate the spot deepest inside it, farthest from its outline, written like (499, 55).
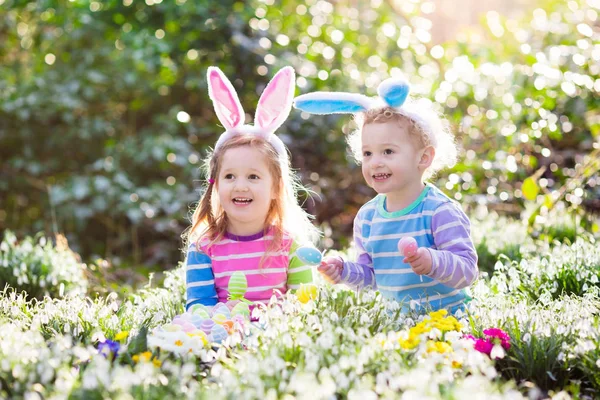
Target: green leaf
(530, 189)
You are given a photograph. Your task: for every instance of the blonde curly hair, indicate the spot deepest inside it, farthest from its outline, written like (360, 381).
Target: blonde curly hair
(426, 126)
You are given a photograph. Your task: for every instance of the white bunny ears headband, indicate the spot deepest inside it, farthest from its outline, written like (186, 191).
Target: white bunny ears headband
(273, 107)
(393, 92)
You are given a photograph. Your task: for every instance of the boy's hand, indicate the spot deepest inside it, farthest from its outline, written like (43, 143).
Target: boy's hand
(420, 262)
(331, 269)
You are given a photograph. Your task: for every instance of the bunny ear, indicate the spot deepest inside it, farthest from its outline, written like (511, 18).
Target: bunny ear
(332, 103)
(276, 100)
(225, 99)
(394, 91)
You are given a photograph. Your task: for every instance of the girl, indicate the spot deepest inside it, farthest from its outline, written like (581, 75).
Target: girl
(248, 218)
(399, 144)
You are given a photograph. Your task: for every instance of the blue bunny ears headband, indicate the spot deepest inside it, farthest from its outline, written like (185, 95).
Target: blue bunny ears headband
(393, 92)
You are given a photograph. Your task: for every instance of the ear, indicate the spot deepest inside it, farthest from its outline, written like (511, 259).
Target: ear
(275, 103)
(427, 156)
(393, 91)
(225, 99)
(332, 103)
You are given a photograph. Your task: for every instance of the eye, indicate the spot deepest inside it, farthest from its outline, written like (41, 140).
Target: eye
(388, 151)
(229, 176)
(253, 176)
(366, 153)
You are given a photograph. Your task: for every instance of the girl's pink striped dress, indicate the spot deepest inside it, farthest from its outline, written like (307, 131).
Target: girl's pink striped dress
(209, 268)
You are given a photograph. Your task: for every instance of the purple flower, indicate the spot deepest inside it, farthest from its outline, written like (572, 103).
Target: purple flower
(109, 348)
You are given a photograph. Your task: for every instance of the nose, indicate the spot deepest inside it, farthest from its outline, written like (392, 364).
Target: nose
(376, 162)
(241, 185)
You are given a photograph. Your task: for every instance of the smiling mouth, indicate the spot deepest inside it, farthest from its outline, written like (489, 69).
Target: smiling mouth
(241, 201)
(381, 177)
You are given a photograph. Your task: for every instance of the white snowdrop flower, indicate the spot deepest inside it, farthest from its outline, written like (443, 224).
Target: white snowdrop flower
(490, 372)
(497, 352)
(362, 394)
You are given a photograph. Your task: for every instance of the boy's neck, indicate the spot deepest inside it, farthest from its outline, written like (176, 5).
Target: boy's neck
(401, 199)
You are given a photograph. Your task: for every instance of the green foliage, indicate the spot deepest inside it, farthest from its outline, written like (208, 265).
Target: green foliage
(39, 268)
(536, 357)
(563, 270)
(118, 87)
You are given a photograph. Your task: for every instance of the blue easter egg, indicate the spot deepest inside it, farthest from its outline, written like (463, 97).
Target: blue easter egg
(196, 320)
(223, 310)
(309, 255)
(218, 333)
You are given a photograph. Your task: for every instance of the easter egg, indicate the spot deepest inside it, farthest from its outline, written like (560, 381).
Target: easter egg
(309, 255)
(185, 317)
(172, 327)
(228, 325)
(238, 284)
(231, 303)
(202, 313)
(306, 293)
(218, 333)
(219, 318)
(207, 325)
(223, 310)
(196, 320)
(188, 327)
(407, 246)
(241, 309)
(215, 309)
(196, 307)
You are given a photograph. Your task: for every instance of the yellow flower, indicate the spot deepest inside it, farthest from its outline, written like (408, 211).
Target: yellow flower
(200, 334)
(145, 357)
(454, 321)
(121, 335)
(438, 347)
(409, 343)
(420, 328)
(438, 314)
(306, 293)
(443, 326)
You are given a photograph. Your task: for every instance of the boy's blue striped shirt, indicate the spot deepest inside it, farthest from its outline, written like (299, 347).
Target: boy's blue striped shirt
(435, 222)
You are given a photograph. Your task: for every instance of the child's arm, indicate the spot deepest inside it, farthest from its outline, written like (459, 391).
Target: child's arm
(454, 262)
(298, 272)
(199, 279)
(359, 274)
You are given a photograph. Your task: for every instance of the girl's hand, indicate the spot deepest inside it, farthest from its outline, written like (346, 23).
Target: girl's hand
(331, 268)
(420, 262)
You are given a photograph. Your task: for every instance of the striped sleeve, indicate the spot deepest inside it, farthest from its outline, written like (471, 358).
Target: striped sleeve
(454, 261)
(359, 274)
(199, 279)
(298, 272)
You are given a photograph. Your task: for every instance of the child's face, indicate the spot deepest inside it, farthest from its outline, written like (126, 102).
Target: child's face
(390, 158)
(245, 188)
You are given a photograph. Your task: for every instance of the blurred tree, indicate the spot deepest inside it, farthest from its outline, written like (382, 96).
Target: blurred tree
(104, 113)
